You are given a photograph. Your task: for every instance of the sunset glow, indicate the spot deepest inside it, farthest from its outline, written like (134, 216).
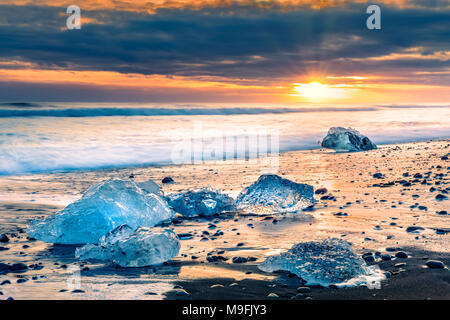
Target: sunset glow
(317, 91)
(210, 51)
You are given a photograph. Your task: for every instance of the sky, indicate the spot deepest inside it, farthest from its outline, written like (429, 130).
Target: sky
(274, 51)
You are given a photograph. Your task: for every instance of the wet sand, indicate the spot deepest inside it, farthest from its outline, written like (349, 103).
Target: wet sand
(372, 213)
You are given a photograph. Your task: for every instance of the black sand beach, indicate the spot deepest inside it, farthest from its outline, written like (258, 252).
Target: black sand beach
(372, 213)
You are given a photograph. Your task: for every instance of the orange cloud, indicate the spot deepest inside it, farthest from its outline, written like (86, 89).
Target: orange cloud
(152, 6)
(357, 89)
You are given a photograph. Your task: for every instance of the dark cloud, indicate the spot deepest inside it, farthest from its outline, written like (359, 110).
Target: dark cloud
(252, 44)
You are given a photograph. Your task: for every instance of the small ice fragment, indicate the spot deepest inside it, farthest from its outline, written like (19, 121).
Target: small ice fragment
(341, 139)
(143, 247)
(271, 192)
(204, 202)
(104, 207)
(324, 263)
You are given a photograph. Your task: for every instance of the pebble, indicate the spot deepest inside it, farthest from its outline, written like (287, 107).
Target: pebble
(272, 295)
(167, 180)
(239, 260)
(435, 264)
(298, 296)
(441, 197)
(178, 292)
(303, 289)
(401, 255)
(77, 291)
(19, 267)
(321, 191)
(386, 257)
(414, 229)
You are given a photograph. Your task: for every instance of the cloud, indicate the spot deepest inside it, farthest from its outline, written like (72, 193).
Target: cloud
(218, 40)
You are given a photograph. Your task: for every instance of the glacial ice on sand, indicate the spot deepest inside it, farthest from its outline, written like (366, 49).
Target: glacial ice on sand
(127, 248)
(204, 202)
(324, 263)
(273, 193)
(104, 206)
(341, 139)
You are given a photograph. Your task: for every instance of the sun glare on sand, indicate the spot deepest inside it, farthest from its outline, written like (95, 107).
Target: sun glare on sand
(318, 91)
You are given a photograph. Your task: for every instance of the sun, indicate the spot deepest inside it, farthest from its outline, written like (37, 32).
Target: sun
(318, 91)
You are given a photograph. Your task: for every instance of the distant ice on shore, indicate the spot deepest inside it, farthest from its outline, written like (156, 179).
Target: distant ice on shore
(341, 139)
(104, 206)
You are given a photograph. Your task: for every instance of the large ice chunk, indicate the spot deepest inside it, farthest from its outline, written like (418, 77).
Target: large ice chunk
(341, 139)
(127, 248)
(204, 202)
(324, 263)
(104, 206)
(273, 193)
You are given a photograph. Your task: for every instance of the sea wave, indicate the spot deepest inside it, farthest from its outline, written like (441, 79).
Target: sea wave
(111, 112)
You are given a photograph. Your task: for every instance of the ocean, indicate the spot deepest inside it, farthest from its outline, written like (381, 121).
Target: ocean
(46, 137)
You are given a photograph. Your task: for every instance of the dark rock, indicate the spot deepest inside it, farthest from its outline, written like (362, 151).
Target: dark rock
(185, 236)
(442, 230)
(414, 229)
(4, 238)
(19, 267)
(239, 260)
(178, 292)
(386, 257)
(303, 289)
(321, 191)
(435, 264)
(368, 258)
(77, 291)
(167, 180)
(401, 255)
(441, 197)
(298, 296)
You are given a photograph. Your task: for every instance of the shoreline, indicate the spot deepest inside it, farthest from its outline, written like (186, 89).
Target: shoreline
(169, 164)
